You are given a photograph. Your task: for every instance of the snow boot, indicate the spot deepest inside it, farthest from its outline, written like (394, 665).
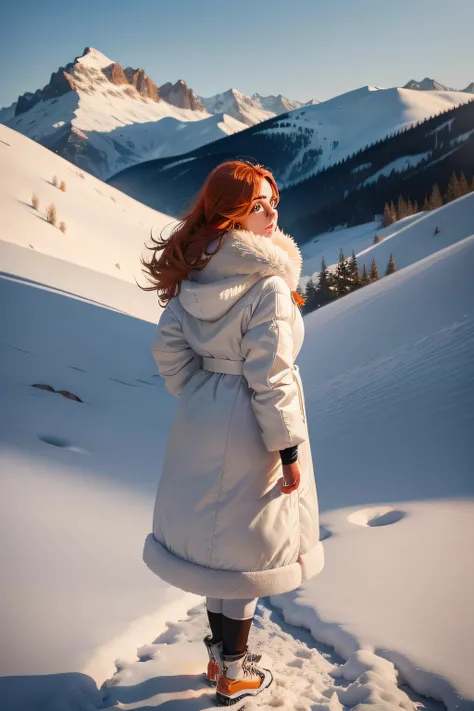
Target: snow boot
(215, 659)
(214, 664)
(240, 678)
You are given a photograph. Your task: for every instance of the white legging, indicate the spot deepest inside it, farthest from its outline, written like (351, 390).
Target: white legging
(235, 609)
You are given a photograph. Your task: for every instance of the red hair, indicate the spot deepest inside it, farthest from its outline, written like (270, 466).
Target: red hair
(225, 199)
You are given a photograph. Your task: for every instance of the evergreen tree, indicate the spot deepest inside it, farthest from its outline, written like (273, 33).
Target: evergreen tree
(435, 198)
(410, 210)
(310, 295)
(402, 208)
(364, 280)
(391, 266)
(393, 212)
(426, 205)
(354, 272)
(387, 215)
(374, 272)
(416, 209)
(454, 188)
(463, 184)
(342, 281)
(471, 187)
(326, 284)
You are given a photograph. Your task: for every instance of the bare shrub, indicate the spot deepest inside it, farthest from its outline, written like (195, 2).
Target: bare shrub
(62, 226)
(377, 239)
(117, 265)
(62, 186)
(51, 215)
(35, 201)
(55, 181)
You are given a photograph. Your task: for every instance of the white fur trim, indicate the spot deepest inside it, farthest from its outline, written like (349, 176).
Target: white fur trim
(278, 255)
(230, 584)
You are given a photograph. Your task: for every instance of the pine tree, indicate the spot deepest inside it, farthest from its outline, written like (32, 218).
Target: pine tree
(402, 208)
(463, 184)
(435, 198)
(471, 187)
(342, 275)
(409, 208)
(416, 209)
(310, 295)
(374, 272)
(354, 272)
(426, 205)
(387, 215)
(326, 284)
(454, 188)
(391, 266)
(364, 280)
(393, 212)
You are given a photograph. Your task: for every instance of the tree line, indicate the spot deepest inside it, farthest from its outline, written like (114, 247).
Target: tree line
(343, 280)
(456, 188)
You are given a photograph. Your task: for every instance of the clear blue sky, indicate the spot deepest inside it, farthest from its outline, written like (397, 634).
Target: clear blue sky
(301, 48)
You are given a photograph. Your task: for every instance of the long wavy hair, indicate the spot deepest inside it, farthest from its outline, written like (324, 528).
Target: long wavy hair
(224, 200)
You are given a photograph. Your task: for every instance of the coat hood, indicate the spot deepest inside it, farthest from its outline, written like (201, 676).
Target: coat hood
(243, 259)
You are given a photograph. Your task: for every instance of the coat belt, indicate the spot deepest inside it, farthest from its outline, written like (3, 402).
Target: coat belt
(223, 365)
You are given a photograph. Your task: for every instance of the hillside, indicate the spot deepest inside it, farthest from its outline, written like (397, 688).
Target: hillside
(342, 141)
(105, 229)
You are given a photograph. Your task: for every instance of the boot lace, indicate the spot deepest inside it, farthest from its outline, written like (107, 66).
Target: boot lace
(251, 669)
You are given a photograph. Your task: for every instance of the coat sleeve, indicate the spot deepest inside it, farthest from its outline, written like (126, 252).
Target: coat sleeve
(267, 348)
(176, 360)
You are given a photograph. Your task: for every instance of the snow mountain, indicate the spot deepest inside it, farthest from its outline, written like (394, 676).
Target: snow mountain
(239, 106)
(104, 118)
(251, 109)
(428, 84)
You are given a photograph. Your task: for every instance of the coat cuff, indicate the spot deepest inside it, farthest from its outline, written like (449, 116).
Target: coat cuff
(289, 455)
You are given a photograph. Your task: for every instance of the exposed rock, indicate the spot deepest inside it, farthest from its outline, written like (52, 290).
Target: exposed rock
(180, 95)
(115, 74)
(142, 83)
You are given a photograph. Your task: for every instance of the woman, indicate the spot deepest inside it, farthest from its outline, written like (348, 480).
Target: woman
(236, 513)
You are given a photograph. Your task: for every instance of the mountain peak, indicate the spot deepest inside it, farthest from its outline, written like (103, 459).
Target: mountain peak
(88, 72)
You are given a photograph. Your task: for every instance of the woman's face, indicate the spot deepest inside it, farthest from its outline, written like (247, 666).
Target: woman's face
(263, 217)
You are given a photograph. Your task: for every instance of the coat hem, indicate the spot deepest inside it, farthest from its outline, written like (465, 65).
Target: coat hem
(230, 584)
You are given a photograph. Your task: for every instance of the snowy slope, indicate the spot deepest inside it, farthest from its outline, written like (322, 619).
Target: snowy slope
(409, 240)
(104, 127)
(348, 123)
(388, 372)
(390, 375)
(415, 238)
(105, 228)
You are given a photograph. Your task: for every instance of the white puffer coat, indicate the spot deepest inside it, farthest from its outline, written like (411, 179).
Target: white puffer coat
(226, 346)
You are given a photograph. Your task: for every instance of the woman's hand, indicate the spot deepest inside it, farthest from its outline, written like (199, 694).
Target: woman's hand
(291, 475)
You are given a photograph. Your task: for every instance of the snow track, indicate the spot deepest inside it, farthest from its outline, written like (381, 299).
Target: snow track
(307, 675)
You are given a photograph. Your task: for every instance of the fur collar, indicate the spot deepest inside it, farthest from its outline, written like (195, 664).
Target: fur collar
(244, 252)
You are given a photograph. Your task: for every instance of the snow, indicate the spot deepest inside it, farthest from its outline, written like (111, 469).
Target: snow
(328, 244)
(350, 122)
(389, 382)
(243, 108)
(399, 165)
(414, 238)
(90, 208)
